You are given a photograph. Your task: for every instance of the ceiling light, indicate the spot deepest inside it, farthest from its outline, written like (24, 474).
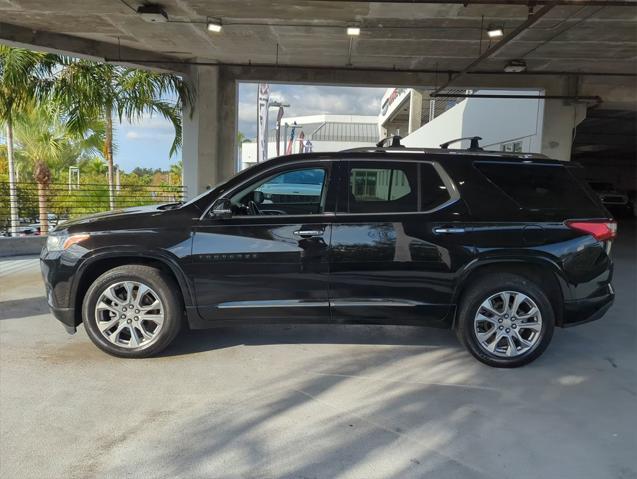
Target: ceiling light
(515, 66)
(353, 31)
(214, 26)
(495, 32)
(152, 13)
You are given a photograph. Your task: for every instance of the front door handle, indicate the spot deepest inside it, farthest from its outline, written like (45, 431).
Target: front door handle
(308, 233)
(448, 230)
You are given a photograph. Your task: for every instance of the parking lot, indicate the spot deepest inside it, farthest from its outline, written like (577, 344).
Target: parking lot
(315, 402)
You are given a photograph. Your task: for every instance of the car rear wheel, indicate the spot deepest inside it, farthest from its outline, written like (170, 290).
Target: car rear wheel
(506, 321)
(132, 311)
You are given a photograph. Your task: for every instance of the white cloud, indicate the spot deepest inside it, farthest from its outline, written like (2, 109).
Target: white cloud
(309, 100)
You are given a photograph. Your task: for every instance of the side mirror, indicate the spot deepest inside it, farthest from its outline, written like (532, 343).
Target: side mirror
(258, 197)
(222, 208)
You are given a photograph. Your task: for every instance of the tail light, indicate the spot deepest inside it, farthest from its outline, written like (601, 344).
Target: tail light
(600, 230)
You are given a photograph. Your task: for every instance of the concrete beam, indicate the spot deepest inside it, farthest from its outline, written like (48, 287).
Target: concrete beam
(22, 37)
(616, 91)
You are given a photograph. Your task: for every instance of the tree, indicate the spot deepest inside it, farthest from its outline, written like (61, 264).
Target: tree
(42, 139)
(92, 90)
(23, 80)
(176, 173)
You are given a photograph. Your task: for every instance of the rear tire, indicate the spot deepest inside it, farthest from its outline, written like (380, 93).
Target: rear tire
(132, 311)
(496, 334)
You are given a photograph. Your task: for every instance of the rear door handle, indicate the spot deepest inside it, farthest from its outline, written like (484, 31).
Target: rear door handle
(448, 230)
(308, 233)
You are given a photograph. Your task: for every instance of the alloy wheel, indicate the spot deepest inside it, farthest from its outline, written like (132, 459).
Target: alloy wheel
(508, 324)
(129, 314)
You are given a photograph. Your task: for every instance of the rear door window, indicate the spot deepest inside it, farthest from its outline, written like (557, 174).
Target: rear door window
(393, 187)
(377, 187)
(538, 187)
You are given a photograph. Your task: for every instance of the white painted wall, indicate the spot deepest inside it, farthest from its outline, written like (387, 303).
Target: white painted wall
(496, 121)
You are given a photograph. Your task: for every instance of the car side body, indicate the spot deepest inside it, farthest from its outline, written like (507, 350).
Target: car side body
(351, 259)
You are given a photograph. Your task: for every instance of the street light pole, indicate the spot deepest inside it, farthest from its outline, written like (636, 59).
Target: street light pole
(280, 106)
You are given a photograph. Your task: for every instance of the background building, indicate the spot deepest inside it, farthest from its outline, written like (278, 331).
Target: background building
(317, 133)
(504, 124)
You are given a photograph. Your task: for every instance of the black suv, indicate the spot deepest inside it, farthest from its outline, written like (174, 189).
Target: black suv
(501, 247)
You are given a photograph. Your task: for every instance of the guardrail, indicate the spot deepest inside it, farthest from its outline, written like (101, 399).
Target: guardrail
(63, 201)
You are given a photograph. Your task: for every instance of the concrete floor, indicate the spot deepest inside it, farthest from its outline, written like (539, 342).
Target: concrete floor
(314, 402)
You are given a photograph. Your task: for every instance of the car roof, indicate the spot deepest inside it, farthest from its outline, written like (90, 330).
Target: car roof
(397, 153)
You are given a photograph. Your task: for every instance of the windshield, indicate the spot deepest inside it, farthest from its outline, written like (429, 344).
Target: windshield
(201, 195)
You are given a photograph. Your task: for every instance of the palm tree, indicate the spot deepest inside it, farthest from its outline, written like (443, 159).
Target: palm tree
(42, 139)
(175, 174)
(92, 90)
(23, 75)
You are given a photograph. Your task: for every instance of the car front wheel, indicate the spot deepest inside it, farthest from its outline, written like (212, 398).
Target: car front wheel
(132, 311)
(506, 321)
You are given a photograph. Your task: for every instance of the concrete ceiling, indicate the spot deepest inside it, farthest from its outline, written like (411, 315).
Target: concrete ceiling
(586, 37)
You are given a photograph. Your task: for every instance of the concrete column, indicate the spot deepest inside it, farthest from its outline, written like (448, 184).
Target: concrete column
(228, 158)
(209, 152)
(199, 152)
(415, 111)
(558, 129)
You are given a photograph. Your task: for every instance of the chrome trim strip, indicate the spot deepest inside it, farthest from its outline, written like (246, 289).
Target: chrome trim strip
(278, 303)
(377, 302)
(298, 303)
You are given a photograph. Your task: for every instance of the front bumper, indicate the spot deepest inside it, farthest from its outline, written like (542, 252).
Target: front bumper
(56, 275)
(589, 309)
(66, 316)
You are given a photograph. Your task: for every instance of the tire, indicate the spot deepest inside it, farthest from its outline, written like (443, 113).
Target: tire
(475, 320)
(134, 333)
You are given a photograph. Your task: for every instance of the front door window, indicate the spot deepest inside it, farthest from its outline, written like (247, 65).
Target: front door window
(295, 192)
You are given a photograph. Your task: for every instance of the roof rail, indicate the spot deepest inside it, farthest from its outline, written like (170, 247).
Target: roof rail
(395, 141)
(475, 146)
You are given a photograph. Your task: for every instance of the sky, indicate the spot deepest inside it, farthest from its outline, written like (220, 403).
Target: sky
(147, 143)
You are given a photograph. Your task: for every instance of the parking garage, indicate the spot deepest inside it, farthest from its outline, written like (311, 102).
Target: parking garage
(352, 402)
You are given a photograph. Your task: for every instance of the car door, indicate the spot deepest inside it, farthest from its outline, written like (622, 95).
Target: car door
(398, 243)
(268, 261)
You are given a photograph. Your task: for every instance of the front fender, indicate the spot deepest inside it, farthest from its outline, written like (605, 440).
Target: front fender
(134, 254)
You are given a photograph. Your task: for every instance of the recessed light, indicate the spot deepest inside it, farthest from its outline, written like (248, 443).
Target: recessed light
(152, 13)
(495, 32)
(353, 31)
(214, 26)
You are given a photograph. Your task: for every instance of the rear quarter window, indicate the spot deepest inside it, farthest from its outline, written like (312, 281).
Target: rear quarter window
(540, 187)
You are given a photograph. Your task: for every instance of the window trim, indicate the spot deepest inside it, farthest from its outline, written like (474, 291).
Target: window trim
(333, 165)
(454, 193)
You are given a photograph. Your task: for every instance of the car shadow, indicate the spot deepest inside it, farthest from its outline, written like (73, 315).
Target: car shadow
(23, 308)
(195, 341)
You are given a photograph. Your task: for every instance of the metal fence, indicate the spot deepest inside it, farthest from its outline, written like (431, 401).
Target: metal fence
(62, 201)
(437, 106)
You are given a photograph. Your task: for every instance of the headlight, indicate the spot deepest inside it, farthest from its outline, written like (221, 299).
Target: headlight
(63, 241)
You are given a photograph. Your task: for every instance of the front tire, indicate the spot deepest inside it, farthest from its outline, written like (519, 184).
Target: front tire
(132, 311)
(505, 322)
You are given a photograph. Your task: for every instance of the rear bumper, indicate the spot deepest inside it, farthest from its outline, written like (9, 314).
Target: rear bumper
(589, 309)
